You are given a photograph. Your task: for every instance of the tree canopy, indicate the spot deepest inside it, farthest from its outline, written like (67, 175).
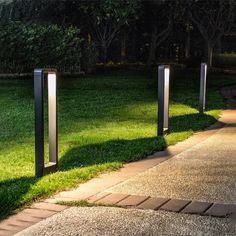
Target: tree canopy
(136, 30)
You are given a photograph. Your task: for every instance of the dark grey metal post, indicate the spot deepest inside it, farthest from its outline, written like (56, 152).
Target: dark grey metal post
(39, 123)
(39, 76)
(202, 98)
(163, 99)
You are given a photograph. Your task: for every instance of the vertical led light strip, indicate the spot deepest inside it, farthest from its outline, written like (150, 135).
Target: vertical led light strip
(202, 98)
(52, 117)
(163, 99)
(166, 98)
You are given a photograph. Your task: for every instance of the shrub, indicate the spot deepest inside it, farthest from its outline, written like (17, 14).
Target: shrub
(89, 57)
(26, 46)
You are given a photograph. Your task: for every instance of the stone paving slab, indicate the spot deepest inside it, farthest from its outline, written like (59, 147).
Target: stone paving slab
(153, 203)
(112, 199)
(17, 224)
(48, 206)
(132, 201)
(39, 213)
(175, 205)
(196, 207)
(22, 217)
(97, 197)
(222, 210)
(28, 217)
(4, 232)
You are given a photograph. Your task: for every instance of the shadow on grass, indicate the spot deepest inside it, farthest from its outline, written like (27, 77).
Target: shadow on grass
(12, 193)
(121, 150)
(190, 122)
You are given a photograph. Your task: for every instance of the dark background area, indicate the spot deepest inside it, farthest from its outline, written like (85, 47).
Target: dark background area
(78, 35)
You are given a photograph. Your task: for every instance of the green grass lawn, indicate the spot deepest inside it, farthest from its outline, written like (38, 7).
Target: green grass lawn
(104, 121)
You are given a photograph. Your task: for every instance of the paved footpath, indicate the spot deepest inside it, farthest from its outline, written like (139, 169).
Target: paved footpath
(205, 172)
(188, 189)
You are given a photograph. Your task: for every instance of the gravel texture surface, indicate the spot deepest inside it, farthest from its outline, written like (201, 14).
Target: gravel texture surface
(117, 221)
(205, 172)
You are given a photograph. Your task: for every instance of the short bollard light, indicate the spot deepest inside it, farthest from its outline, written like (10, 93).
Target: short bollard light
(202, 98)
(41, 76)
(163, 99)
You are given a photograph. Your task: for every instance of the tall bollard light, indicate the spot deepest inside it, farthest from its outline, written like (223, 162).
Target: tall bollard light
(163, 99)
(40, 77)
(202, 99)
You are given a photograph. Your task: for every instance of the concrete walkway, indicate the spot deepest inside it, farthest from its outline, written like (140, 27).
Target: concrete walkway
(199, 178)
(205, 172)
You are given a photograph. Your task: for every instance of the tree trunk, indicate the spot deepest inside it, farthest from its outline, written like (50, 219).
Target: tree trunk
(218, 46)
(153, 47)
(187, 40)
(104, 53)
(209, 54)
(187, 46)
(134, 51)
(123, 47)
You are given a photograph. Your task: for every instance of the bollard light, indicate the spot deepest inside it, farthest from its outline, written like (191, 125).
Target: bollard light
(163, 99)
(41, 76)
(202, 98)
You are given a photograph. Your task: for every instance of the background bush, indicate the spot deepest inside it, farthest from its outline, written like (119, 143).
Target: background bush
(89, 57)
(26, 46)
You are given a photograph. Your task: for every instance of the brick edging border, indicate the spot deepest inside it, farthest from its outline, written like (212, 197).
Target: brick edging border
(28, 217)
(165, 204)
(42, 210)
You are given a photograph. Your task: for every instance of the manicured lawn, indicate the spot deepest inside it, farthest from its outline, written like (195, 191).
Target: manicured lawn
(104, 121)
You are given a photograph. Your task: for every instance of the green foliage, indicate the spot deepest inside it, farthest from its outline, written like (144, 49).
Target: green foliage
(89, 57)
(111, 11)
(225, 60)
(26, 46)
(132, 30)
(106, 18)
